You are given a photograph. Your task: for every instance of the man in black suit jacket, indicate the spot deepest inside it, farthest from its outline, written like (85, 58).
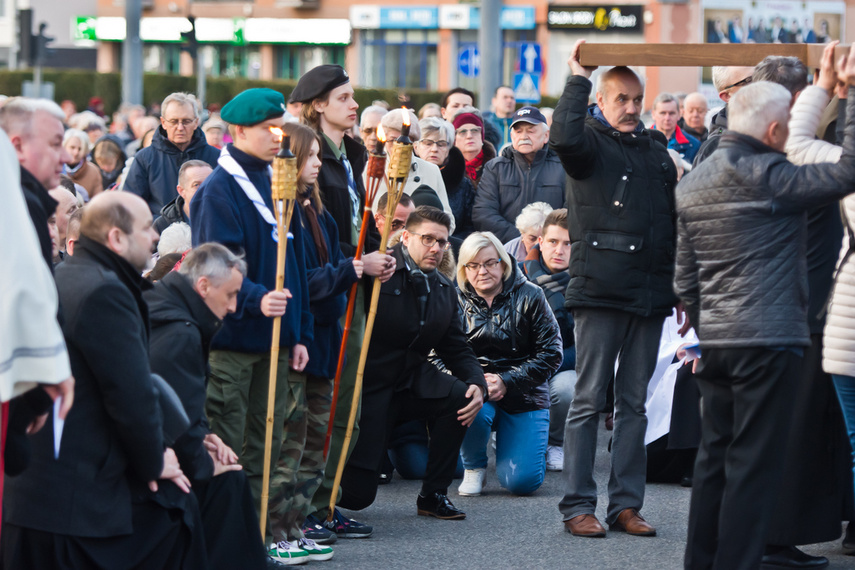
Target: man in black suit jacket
(87, 498)
(418, 312)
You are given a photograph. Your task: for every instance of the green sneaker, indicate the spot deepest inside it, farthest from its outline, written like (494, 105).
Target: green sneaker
(287, 553)
(316, 551)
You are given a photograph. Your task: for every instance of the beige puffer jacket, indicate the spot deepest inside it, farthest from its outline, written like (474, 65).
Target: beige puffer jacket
(838, 353)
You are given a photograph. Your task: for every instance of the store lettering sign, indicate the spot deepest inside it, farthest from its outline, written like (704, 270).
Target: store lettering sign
(626, 18)
(416, 17)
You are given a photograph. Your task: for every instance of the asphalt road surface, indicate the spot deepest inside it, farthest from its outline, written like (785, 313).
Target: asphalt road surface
(502, 531)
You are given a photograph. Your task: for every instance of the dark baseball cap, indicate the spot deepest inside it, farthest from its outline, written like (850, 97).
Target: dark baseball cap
(528, 115)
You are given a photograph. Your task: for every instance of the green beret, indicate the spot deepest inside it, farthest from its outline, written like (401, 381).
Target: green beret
(317, 81)
(253, 106)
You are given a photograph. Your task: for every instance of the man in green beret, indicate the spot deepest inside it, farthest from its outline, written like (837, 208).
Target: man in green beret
(234, 207)
(329, 107)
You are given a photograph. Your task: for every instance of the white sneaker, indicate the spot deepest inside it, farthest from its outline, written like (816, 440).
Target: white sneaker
(314, 550)
(473, 482)
(287, 553)
(554, 458)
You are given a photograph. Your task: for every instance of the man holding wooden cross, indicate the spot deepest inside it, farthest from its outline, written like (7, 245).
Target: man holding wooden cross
(620, 196)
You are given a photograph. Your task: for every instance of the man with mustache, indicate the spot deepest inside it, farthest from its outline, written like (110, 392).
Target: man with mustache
(525, 172)
(621, 220)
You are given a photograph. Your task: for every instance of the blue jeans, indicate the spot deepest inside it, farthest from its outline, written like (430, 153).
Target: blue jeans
(520, 446)
(845, 386)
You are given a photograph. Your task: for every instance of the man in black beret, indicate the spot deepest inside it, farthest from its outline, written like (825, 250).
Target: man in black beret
(330, 109)
(234, 207)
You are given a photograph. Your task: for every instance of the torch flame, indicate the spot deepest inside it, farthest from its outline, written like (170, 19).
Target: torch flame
(406, 116)
(381, 134)
(278, 132)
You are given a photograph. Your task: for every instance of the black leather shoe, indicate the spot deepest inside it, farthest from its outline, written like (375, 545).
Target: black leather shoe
(437, 505)
(849, 539)
(790, 557)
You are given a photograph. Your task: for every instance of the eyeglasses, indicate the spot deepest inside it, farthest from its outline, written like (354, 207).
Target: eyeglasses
(427, 143)
(398, 225)
(182, 122)
(742, 83)
(466, 132)
(488, 265)
(429, 241)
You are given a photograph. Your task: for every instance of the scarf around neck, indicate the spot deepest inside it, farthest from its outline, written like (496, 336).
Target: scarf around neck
(474, 165)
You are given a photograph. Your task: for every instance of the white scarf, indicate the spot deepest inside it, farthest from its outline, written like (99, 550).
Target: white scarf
(231, 166)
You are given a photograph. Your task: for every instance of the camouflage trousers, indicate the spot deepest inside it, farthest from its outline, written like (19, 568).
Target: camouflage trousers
(300, 469)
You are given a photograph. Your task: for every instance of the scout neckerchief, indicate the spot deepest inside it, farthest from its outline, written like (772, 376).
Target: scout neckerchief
(354, 194)
(231, 166)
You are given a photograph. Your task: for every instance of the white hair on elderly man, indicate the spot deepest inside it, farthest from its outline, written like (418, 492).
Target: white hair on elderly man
(754, 107)
(213, 261)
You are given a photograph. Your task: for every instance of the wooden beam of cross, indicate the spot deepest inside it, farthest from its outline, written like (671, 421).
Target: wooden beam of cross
(698, 55)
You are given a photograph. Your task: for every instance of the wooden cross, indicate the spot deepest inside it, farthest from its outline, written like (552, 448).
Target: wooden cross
(699, 55)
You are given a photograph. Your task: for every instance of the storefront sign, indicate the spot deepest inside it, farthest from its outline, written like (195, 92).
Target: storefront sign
(462, 17)
(394, 17)
(624, 18)
(297, 31)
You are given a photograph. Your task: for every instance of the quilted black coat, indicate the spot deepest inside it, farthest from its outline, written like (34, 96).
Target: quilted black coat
(741, 263)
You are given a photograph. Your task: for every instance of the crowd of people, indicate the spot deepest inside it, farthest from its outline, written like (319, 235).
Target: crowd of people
(547, 271)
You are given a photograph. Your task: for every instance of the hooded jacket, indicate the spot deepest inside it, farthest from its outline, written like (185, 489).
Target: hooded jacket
(509, 183)
(745, 284)
(517, 338)
(182, 327)
(620, 212)
(154, 172)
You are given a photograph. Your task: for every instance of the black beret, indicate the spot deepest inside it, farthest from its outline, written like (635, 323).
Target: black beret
(253, 106)
(317, 81)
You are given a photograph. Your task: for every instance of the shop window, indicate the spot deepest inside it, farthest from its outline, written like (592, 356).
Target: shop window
(162, 58)
(292, 61)
(226, 60)
(399, 58)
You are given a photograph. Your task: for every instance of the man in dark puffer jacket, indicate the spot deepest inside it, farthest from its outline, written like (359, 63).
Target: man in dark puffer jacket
(742, 274)
(154, 172)
(621, 219)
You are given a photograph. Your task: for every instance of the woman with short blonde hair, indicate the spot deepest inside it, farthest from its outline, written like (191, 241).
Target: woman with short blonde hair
(512, 331)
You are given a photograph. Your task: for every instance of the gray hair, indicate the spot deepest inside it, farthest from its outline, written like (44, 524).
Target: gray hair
(666, 98)
(371, 110)
(431, 125)
(85, 119)
(16, 115)
(394, 120)
(182, 99)
(754, 107)
(211, 260)
(787, 71)
(475, 242)
(79, 135)
(469, 109)
(182, 172)
(175, 239)
(533, 216)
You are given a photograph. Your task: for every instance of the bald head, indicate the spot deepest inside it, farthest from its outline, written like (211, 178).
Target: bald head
(620, 94)
(120, 221)
(695, 110)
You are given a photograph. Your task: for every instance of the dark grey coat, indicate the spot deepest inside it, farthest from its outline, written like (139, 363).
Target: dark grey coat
(741, 254)
(509, 184)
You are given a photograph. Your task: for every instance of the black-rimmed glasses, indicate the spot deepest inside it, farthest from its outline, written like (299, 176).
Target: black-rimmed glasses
(429, 241)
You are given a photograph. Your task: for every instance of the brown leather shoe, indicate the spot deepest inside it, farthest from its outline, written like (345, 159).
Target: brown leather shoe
(585, 525)
(630, 522)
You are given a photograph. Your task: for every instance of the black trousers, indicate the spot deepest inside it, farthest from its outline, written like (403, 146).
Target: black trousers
(161, 541)
(746, 399)
(232, 534)
(382, 409)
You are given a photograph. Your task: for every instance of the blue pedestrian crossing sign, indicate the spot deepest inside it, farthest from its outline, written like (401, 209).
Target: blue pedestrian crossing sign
(469, 61)
(530, 60)
(527, 87)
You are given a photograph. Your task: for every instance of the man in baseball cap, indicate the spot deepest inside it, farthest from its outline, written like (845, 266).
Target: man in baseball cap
(524, 173)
